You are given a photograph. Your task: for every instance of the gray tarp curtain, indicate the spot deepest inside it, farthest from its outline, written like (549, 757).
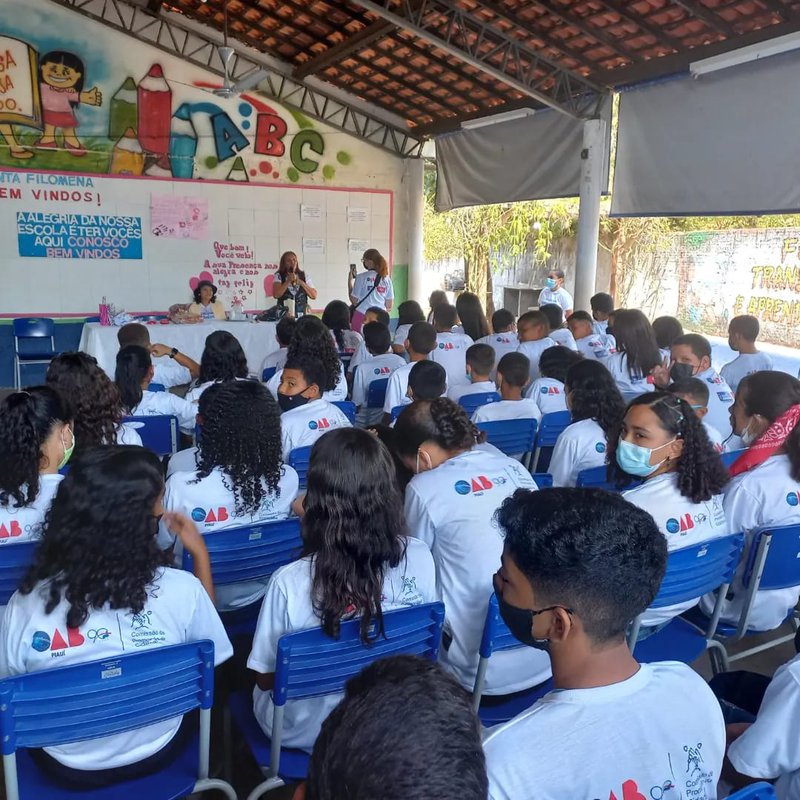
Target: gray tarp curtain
(533, 158)
(723, 143)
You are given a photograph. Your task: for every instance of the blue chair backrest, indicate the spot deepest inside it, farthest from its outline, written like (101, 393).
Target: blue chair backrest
(298, 459)
(156, 387)
(348, 408)
(397, 410)
(158, 432)
(729, 458)
(91, 319)
(309, 663)
(544, 480)
(268, 373)
(15, 559)
(33, 328)
(551, 426)
(376, 393)
(472, 402)
(597, 478)
(39, 709)
(512, 436)
(250, 552)
(756, 791)
(782, 565)
(496, 635)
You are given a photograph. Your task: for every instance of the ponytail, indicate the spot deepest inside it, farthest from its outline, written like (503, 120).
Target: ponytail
(441, 421)
(133, 363)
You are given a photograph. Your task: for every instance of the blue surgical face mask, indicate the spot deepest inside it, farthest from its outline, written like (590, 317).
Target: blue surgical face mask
(635, 460)
(551, 283)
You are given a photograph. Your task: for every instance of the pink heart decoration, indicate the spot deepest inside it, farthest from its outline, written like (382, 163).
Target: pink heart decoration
(268, 281)
(203, 276)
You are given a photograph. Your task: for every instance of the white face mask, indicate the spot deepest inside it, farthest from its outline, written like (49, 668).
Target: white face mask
(747, 436)
(430, 464)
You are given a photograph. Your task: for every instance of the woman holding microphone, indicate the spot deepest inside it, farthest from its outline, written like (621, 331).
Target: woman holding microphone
(371, 288)
(292, 284)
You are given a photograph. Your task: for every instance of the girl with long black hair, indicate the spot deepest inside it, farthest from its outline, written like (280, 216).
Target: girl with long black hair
(637, 352)
(223, 359)
(336, 318)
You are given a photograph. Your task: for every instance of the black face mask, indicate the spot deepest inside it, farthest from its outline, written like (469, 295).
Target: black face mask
(520, 621)
(289, 401)
(680, 372)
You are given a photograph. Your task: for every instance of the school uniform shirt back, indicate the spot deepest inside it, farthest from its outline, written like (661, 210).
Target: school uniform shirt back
(526, 408)
(351, 341)
(375, 368)
(401, 334)
(451, 353)
(581, 446)
(720, 400)
(127, 434)
(155, 404)
(372, 291)
(534, 350)
(549, 395)
(682, 522)
(397, 388)
(617, 365)
(564, 338)
(451, 508)
(559, 297)
(274, 360)
(183, 461)
(288, 607)
(455, 393)
(743, 365)
(25, 523)
(168, 372)
(177, 610)
(770, 747)
(211, 504)
(302, 426)
(593, 347)
(766, 495)
(338, 393)
(658, 734)
(501, 343)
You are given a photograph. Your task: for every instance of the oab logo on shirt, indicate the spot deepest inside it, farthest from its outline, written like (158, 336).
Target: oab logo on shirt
(600, 447)
(13, 529)
(446, 346)
(41, 641)
(382, 370)
(550, 390)
(793, 498)
(682, 525)
(319, 424)
(201, 515)
(478, 485)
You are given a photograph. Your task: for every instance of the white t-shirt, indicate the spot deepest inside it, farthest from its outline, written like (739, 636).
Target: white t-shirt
(379, 291)
(177, 610)
(658, 734)
(601, 328)
(534, 350)
(288, 608)
(397, 388)
(770, 747)
(715, 437)
(682, 522)
(127, 434)
(25, 523)
(183, 461)
(501, 343)
(582, 445)
(743, 365)
(617, 365)
(339, 392)
(302, 426)
(375, 368)
(401, 334)
(564, 337)
(193, 395)
(766, 495)
(508, 409)
(557, 297)
(593, 346)
(361, 354)
(451, 353)
(455, 393)
(274, 360)
(451, 508)
(169, 372)
(155, 404)
(720, 399)
(548, 394)
(351, 341)
(211, 504)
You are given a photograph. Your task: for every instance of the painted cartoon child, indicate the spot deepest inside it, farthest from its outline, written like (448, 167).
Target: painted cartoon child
(61, 78)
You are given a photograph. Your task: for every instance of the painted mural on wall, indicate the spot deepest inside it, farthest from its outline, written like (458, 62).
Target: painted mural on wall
(68, 103)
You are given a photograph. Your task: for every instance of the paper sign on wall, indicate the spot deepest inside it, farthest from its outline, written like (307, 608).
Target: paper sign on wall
(355, 214)
(308, 212)
(357, 247)
(176, 217)
(314, 246)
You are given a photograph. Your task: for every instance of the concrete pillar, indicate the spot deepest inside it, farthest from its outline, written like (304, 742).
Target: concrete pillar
(415, 168)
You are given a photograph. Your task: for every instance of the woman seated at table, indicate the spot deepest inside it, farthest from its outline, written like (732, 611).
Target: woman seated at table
(205, 303)
(292, 283)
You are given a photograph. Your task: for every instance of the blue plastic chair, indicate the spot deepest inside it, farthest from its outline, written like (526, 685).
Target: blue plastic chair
(551, 426)
(298, 459)
(91, 319)
(348, 408)
(156, 387)
(159, 432)
(597, 478)
(99, 698)
(512, 436)
(729, 458)
(472, 402)
(497, 637)
(544, 480)
(35, 352)
(310, 664)
(756, 791)
(268, 373)
(14, 564)
(376, 393)
(692, 572)
(248, 553)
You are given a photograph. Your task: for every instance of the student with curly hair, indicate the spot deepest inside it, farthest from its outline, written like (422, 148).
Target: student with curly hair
(450, 503)
(36, 440)
(240, 477)
(313, 340)
(100, 586)
(637, 353)
(662, 441)
(336, 318)
(223, 360)
(356, 563)
(597, 410)
(96, 402)
(133, 375)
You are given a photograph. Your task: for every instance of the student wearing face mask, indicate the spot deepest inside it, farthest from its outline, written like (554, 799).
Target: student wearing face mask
(305, 413)
(554, 292)
(663, 442)
(450, 505)
(763, 491)
(36, 440)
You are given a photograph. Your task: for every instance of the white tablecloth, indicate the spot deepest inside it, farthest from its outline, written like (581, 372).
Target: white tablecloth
(257, 340)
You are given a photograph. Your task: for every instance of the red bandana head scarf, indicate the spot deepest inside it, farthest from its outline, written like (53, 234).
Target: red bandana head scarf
(769, 443)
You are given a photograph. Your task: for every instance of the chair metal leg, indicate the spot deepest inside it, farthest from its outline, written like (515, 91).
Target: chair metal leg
(214, 784)
(718, 656)
(267, 786)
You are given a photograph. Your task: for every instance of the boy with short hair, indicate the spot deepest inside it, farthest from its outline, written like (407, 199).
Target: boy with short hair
(504, 339)
(578, 566)
(548, 390)
(170, 366)
(742, 334)
(373, 314)
(284, 331)
(696, 394)
(513, 375)
(589, 343)
(380, 363)
(558, 333)
(419, 344)
(305, 414)
(533, 331)
(480, 363)
(602, 305)
(451, 348)
(427, 380)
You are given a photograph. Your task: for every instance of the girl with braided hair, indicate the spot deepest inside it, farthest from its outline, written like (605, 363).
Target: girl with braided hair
(450, 504)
